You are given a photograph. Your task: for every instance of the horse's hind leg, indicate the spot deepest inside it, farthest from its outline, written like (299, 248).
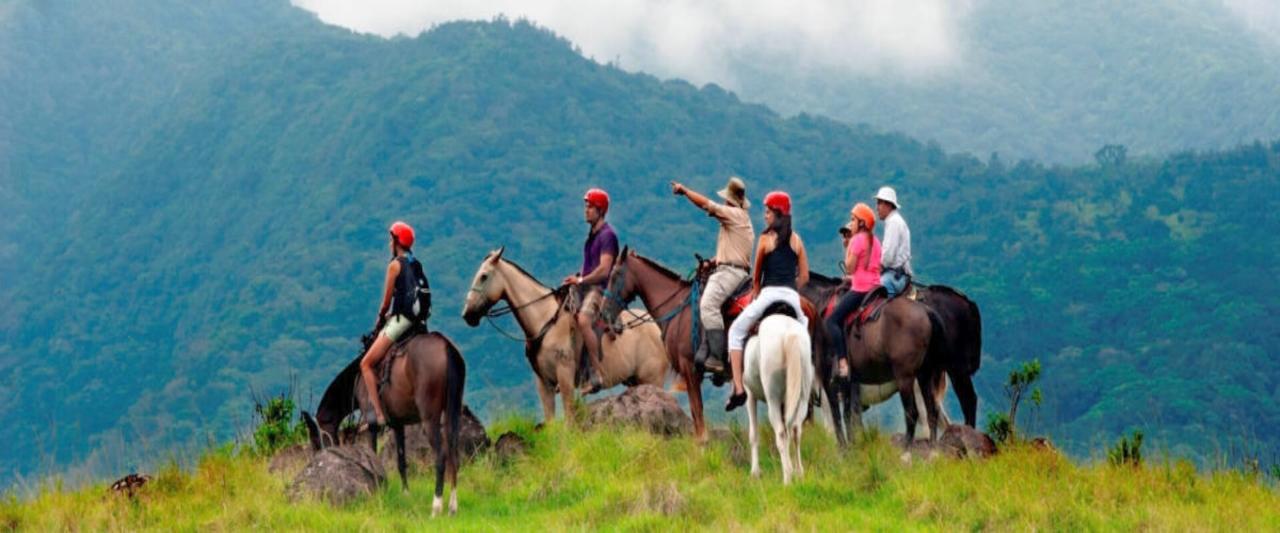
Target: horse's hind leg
(451, 472)
(548, 398)
(437, 446)
(930, 405)
(795, 434)
(834, 401)
(401, 464)
(753, 433)
(963, 384)
(906, 392)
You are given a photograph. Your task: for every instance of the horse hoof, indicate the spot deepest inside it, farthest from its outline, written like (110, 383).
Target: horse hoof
(437, 505)
(755, 474)
(905, 458)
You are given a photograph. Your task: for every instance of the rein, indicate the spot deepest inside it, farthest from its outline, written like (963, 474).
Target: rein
(663, 320)
(508, 309)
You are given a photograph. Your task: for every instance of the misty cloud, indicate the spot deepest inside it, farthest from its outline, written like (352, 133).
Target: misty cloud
(703, 41)
(1262, 16)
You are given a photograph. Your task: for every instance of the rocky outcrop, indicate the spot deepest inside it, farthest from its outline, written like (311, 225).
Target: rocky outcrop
(645, 406)
(957, 441)
(472, 440)
(340, 475)
(964, 441)
(509, 446)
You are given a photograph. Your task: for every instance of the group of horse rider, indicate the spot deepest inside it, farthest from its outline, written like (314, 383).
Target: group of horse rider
(778, 267)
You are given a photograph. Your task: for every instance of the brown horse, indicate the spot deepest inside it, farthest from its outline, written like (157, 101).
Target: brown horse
(633, 356)
(427, 377)
(667, 297)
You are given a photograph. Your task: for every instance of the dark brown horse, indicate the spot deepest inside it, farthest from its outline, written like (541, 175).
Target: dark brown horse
(668, 299)
(959, 352)
(427, 377)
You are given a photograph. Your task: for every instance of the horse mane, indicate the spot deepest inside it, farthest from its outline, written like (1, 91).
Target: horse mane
(659, 267)
(339, 398)
(522, 270)
(824, 279)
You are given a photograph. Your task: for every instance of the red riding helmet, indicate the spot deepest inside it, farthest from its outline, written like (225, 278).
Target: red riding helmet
(778, 201)
(403, 234)
(598, 199)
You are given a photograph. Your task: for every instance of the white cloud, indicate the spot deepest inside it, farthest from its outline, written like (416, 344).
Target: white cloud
(1262, 16)
(702, 40)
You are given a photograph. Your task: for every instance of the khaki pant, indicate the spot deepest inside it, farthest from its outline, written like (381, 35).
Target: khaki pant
(592, 298)
(720, 287)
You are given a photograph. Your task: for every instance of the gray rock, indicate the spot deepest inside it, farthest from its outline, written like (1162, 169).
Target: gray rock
(644, 406)
(472, 440)
(510, 446)
(964, 441)
(340, 475)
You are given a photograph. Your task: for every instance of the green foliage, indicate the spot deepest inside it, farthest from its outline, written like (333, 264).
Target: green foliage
(998, 427)
(226, 225)
(276, 425)
(626, 479)
(1127, 451)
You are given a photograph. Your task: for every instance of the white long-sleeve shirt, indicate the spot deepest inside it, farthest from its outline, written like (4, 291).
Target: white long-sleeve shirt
(895, 247)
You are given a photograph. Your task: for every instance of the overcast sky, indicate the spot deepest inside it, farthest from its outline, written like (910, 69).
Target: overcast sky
(700, 40)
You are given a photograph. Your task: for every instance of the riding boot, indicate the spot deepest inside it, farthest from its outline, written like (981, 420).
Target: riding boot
(700, 354)
(716, 345)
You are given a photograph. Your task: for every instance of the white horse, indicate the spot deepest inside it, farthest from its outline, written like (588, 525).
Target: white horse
(779, 370)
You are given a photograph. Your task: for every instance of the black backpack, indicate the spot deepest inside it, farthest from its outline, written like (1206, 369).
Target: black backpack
(412, 296)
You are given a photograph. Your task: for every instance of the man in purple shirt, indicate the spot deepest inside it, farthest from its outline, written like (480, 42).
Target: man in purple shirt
(598, 254)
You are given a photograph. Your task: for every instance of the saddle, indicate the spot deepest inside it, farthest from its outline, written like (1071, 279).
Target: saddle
(869, 309)
(396, 351)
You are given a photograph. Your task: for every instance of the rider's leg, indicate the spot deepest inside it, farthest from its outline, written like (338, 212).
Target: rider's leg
(720, 287)
(394, 328)
(738, 339)
(586, 320)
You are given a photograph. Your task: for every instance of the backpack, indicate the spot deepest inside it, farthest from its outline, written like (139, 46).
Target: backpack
(412, 296)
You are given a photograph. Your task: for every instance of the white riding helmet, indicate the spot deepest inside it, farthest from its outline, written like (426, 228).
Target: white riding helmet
(887, 194)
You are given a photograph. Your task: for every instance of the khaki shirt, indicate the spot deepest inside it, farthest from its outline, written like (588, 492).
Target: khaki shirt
(733, 246)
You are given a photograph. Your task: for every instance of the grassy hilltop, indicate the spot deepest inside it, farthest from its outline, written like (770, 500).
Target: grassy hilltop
(632, 480)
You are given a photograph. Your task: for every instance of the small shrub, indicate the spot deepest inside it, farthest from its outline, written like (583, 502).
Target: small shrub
(1128, 451)
(999, 428)
(276, 428)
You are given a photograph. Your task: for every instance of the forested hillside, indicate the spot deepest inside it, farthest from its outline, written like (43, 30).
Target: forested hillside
(239, 241)
(1053, 80)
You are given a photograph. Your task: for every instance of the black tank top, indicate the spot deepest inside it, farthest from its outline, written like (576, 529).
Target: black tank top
(780, 266)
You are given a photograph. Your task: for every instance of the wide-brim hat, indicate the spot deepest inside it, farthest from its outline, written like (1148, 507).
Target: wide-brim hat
(735, 191)
(887, 194)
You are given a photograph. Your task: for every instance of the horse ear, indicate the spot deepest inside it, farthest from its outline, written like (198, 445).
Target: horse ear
(498, 255)
(626, 250)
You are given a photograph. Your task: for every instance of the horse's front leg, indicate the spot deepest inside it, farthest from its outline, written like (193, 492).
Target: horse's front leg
(548, 398)
(566, 372)
(693, 385)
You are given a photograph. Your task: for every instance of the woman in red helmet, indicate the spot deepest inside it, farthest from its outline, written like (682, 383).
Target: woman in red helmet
(402, 307)
(782, 266)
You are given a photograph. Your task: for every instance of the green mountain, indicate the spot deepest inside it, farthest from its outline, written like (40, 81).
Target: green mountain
(237, 244)
(1054, 80)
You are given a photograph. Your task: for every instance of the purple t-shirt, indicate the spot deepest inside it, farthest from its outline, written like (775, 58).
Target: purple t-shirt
(603, 241)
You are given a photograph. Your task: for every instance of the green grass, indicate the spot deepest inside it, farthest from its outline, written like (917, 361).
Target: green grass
(624, 479)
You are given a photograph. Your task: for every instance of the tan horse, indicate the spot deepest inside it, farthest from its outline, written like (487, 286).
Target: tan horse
(552, 343)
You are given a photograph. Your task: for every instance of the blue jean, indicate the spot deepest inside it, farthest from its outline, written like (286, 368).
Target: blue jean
(893, 282)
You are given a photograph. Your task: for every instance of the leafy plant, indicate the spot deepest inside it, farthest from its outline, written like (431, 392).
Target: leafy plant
(1127, 451)
(276, 428)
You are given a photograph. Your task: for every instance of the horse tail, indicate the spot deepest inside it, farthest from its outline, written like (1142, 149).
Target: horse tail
(975, 351)
(935, 356)
(455, 380)
(794, 355)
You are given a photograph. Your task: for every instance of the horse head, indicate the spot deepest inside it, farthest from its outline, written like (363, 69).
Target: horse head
(487, 287)
(620, 290)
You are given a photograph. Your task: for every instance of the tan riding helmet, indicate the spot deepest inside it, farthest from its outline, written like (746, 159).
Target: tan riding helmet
(735, 192)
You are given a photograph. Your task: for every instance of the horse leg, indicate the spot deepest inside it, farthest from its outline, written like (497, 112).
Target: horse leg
(795, 441)
(829, 387)
(781, 434)
(930, 405)
(963, 384)
(906, 385)
(548, 398)
(437, 446)
(401, 464)
(753, 434)
(693, 380)
(853, 403)
(565, 379)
